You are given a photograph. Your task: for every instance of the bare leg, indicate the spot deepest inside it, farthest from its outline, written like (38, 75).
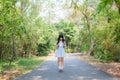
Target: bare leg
(59, 60)
(62, 62)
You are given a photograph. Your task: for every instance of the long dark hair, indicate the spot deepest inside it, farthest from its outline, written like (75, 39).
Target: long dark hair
(60, 36)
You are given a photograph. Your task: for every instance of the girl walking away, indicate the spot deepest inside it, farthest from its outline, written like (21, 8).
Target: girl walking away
(60, 52)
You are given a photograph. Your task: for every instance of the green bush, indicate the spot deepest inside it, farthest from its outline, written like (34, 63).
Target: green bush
(103, 56)
(42, 49)
(116, 57)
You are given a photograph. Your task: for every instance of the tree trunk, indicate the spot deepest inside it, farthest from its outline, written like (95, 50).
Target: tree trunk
(119, 9)
(13, 49)
(117, 2)
(89, 52)
(91, 47)
(0, 52)
(88, 21)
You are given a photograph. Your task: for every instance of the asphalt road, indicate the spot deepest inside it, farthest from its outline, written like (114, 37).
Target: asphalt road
(74, 69)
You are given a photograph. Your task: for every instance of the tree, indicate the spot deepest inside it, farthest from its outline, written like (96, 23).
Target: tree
(87, 12)
(109, 3)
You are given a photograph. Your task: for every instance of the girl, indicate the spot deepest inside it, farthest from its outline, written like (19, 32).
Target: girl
(60, 52)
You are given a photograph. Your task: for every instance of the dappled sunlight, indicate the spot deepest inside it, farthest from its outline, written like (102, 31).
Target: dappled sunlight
(42, 69)
(71, 65)
(35, 77)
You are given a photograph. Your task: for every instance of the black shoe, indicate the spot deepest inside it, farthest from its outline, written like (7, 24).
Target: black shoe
(60, 70)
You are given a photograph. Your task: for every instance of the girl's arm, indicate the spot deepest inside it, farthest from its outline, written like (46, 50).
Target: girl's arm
(64, 45)
(57, 46)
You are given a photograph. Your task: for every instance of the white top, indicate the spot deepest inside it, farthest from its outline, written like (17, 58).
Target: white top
(60, 44)
(60, 51)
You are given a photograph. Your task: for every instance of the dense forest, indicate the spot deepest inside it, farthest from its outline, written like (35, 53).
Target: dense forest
(29, 27)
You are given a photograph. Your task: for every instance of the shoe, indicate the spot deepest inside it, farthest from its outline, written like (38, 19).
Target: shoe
(60, 70)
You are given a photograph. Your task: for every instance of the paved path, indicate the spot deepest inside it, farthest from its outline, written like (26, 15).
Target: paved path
(74, 69)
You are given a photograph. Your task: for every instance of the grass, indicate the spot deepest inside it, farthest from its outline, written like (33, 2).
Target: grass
(29, 63)
(21, 65)
(24, 63)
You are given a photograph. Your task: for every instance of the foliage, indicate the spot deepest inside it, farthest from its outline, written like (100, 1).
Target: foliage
(107, 38)
(109, 4)
(43, 48)
(21, 29)
(99, 30)
(69, 30)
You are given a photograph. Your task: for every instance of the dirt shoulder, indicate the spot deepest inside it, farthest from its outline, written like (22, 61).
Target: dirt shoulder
(111, 67)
